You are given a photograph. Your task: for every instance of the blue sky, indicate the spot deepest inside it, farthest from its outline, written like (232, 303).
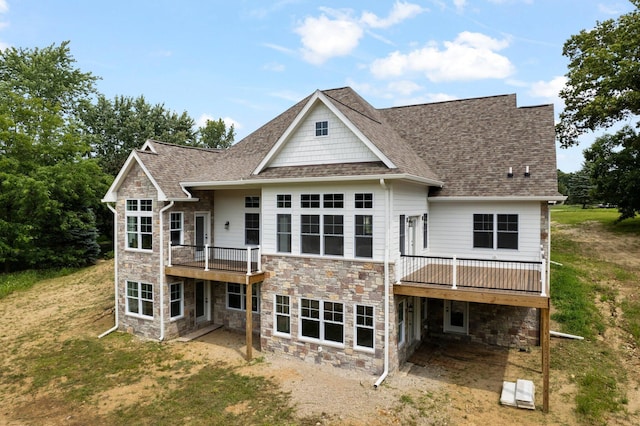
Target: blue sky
(247, 60)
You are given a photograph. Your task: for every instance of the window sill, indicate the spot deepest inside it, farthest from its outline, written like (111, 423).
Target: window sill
(135, 250)
(328, 343)
(364, 349)
(134, 315)
(174, 319)
(282, 335)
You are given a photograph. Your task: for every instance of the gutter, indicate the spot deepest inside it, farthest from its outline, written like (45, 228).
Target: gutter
(115, 278)
(161, 280)
(387, 210)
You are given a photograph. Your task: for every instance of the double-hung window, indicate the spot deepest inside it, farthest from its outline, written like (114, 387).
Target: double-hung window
(283, 314)
(365, 328)
(310, 234)
(483, 231)
(237, 297)
(139, 214)
(507, 231)
(364, 236)
(333, 235)
(140, 299)
(176, 227)
(283, 232)
(500, 231)
(322, 320)
(176, 294)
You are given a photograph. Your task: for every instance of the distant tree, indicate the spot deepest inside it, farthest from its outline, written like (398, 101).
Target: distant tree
(216, 135)
(603, 87)
(615, 169)
(49, 188)
(580, 187)
(117, 127)
(563, 181)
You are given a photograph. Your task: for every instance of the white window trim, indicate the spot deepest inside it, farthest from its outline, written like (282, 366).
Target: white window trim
(137, 214)
(243, 298)
(447, 327)
(315, 129)
(495, 233)
(181, 226)
(181, 301)
(139, 300)
(321, 320)
(355, 329)
(275, 316)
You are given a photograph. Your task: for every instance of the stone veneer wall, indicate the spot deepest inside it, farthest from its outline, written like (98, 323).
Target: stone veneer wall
(346, 281)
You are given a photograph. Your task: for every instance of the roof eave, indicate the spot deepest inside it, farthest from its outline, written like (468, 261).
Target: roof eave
(498, 198)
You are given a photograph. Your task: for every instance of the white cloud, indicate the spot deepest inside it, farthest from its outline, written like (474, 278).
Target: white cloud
(278, 48)
(4, 6)
(471, 56)
(404, 87)
(611, 9)
(399, 12)
(548, 89)
(460, 4)
(399, 93)
(324, 38)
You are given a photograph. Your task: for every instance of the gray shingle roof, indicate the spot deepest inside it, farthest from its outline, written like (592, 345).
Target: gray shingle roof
(467, 144)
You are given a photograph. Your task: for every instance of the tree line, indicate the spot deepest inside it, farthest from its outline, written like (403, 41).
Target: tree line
(61, 144)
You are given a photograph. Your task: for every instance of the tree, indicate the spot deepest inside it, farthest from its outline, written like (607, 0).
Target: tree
(49, 188)
(563, 181)
(580, 187)
(615, 169)
(117, 127)
(215, 134)
(603, 85)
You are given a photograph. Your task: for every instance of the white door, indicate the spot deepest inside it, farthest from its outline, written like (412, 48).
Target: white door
(203, 305)
(202, 231)
(456, 316)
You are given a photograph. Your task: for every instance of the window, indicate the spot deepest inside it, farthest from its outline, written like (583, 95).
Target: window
(252, 202)
(322, 128)
(364, 236)
(503, 233)
(252, 229)
(508, 231)
(284, 201)
(333, 235)
(284, 233)
(237, 297)
(283, 315)
(310, 233)
(364, 201)
(176, 226)
(425, 230)
(176, 296)
(323, 321)
(310, 201)
(139, 215)
(365, 329)
(401, 238)
(483, 231)
(401, 329)
(140, 299)
(333, 201)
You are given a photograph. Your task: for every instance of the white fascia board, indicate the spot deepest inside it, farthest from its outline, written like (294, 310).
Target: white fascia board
(112, 194)
(439, 199)
(319, 96)
(148, 145)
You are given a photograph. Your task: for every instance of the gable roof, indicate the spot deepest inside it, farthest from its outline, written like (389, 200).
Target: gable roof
(461, 149)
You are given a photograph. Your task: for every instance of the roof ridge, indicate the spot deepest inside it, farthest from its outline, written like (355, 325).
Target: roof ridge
(350, 107)
(451, 101)
(175, 145)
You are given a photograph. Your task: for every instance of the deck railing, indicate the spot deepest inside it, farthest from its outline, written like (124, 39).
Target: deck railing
(455, 272)
(208, 258)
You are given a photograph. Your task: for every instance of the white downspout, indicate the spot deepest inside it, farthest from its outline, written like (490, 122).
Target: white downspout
(115, 274)
(387, 233)
(161, 281)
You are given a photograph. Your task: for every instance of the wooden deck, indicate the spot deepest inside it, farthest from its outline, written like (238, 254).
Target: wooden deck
(197, 271)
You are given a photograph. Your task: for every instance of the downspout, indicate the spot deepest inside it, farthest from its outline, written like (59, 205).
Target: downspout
(162, 281)
(387, 231)
(115, 278)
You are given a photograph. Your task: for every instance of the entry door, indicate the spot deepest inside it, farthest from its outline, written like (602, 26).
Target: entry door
(201, 233)
(456, 316)
(203, 304)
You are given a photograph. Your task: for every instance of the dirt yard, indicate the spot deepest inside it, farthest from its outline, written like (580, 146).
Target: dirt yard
(445, 385)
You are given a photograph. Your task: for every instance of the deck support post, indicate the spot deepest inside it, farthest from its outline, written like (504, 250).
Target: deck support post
(249, 319)
(544, 343)
(206, 257)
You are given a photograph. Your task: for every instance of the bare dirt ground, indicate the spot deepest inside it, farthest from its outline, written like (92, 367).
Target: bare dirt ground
(458, 385)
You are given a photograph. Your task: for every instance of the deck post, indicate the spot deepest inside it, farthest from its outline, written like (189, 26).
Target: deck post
(454, 277)
(169, 259)
(249, 326)
(248, 260)
(206, 257)
(544, 342)
(259, 259)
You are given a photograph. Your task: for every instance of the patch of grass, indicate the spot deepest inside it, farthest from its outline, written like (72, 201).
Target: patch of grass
(574, 215)
(216, 394)
(631, 318)
(26, 279)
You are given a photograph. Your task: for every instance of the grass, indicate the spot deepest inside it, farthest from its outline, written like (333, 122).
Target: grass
(575, 287)
(16, 281)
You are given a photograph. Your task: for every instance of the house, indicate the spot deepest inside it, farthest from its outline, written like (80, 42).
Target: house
(344, 234)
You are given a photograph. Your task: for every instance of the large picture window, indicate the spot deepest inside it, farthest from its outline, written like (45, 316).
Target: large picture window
(365, 329)
(283, 315)
(333, 235)
(237, 297)
(310, 233)
(139, 217)
(364, 236)
(284, 233)
(140, 299)
(322, 320)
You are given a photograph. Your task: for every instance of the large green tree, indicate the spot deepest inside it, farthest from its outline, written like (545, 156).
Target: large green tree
(216, 135)
(49, 188)
(603, 89)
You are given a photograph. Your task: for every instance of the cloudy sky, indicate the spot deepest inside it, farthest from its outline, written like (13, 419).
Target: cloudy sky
(248, 60)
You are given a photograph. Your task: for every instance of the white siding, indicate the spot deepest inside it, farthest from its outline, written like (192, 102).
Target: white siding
(451, 229)
(409, 200)
(228, 206)
(270, 212)
(340, 146)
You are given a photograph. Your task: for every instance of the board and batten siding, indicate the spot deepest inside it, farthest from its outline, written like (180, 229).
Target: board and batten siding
(339, 146)
(270, 212)
(229, 207)
(409, 200)
(451, 229)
